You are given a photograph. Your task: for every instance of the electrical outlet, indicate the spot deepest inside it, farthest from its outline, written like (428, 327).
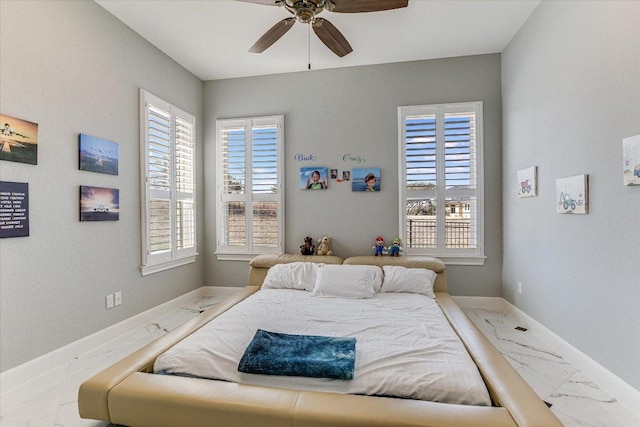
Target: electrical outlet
(110, 301)
(118, 299)
(520, 288)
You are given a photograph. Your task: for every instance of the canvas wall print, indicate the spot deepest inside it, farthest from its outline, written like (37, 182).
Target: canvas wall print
(14, 209)
(572, 195)
(365, 179)
(631, 160)
(98, 155)
(19, 140)
(314, 178)
(528, 182)
(99, 204)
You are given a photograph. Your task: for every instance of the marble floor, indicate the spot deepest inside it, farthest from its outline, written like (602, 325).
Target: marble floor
(50, 400)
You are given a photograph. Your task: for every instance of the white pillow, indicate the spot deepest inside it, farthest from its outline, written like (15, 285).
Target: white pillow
(346, 281)
(411, 280)
(295, 275)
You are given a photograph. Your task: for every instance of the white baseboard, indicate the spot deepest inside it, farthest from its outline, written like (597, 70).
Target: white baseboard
(29, 370)
(620, 390)
(496, 303)
(212, 291)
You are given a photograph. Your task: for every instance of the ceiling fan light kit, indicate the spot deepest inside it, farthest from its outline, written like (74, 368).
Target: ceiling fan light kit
(307, 11)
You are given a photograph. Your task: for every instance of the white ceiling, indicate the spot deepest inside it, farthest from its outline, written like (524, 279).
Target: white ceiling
(211, 38)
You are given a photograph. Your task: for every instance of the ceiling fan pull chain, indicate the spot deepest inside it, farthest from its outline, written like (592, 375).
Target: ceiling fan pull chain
(309, 45)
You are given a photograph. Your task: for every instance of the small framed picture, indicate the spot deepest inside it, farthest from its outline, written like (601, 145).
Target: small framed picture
(528, 182)
(346, 175)
(19, 140)
(98, 155)
(366, 179)
(631, 160)
(572, 195)
(314, 178)
(334, 173)
(14, 212)
(99, 204)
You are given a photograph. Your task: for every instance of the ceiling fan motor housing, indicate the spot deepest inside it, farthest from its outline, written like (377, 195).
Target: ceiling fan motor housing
(305, 11)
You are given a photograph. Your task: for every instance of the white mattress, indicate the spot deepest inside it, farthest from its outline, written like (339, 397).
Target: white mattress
(405, 346)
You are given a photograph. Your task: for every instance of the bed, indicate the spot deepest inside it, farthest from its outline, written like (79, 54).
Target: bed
(151, 388)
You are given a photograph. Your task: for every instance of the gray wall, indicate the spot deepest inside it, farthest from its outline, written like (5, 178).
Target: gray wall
(73, 68)
(571, 93)
(330, 113)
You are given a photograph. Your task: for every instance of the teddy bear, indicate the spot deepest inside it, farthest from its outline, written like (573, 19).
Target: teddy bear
(324, 246)
(308, 248)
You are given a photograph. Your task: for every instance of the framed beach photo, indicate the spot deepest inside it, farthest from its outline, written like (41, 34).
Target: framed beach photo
(365, 179)
(572, 195)
(313, 178)
(99, 204)
(18, 140)
(98, 155)
(528, 182)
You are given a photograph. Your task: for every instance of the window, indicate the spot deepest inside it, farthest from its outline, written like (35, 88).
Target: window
(440, 164)
(168, 185)
(250, 192)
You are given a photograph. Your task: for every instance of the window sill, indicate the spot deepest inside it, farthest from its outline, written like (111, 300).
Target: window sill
(462, 260)
(156, 268)
(453, 259)
(229, 256)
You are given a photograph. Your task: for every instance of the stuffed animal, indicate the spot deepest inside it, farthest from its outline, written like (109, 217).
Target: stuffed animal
(379, 248)
(308, 248)
(395, 249)
(324, 246)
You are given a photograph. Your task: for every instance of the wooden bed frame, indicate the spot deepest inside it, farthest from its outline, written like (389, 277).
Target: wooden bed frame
(128, 393)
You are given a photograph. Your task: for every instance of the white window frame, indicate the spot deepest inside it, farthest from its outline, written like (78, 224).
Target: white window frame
(172, 257)
(459, 256)
(249, 250)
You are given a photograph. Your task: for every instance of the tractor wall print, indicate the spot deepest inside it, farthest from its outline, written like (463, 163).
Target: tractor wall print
(572, 195)
(528, 182)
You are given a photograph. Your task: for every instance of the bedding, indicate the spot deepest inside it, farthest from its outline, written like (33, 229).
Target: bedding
(347, 281)
(413, 280)
(271, 353)
(406, 348)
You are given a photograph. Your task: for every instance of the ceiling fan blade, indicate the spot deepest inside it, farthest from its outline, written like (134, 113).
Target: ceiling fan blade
(272, 36)
(356, 6)
(265, 2)
(330, 36)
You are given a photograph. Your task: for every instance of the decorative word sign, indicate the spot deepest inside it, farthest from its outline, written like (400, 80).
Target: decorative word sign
(14, 209)
(305, 158)
(353, 158)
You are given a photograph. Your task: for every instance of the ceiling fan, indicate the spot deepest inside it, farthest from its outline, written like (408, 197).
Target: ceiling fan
(307, 11)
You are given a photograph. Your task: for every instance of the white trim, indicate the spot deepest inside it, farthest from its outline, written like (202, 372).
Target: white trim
(155, 268)
(492, 303)
(214, 291)
(620, 390)
(33, 368)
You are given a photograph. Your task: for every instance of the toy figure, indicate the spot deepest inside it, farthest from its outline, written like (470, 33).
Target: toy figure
(395, 249)
(324, 247)
(379, 248)
(308, 248)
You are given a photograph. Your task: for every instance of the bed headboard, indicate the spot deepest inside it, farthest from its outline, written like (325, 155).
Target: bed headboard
(259, 265)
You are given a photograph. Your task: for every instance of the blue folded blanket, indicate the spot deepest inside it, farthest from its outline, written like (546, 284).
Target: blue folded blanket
(271, 353)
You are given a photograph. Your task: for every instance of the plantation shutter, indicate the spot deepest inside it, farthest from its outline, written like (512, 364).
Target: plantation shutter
(185, 184)
(440, 168)
(250, 174)
(169, 186)
(159, 177)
